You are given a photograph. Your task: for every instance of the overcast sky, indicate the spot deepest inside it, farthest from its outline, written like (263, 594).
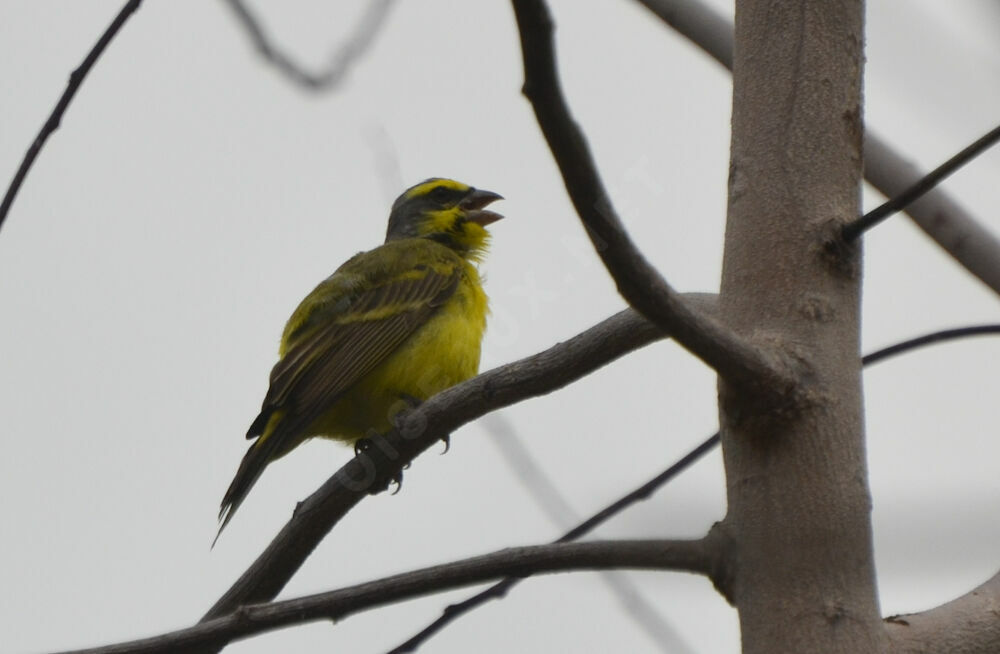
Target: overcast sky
(193, 196)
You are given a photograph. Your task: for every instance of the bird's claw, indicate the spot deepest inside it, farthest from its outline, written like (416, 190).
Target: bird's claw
(398, 480)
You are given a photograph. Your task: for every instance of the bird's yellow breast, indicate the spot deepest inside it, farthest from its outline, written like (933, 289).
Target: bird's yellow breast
(440, 354)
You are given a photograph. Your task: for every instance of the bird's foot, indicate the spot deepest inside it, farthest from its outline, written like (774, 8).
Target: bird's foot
(376, 449)
(362, 445)
(401, 409)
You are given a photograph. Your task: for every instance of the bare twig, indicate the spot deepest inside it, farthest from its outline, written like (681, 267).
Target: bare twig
(921, 187)
(941, 217)
(929, 339)
(52, 124)
(696, 556)
(526, 469)
(340, 64)
(736, 360)
(536, 375)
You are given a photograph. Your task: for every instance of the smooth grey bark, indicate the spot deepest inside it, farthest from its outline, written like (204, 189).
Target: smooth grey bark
(967, 625)
(799, 504)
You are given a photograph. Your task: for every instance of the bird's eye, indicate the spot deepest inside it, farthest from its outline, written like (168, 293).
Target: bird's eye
(440, 194)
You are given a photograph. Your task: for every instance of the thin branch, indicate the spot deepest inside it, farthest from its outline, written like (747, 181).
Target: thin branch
(929, 339)
(941, 217)
(967, 625)
(696, 556)
(634, 605)
(854, 229)
(418, 429)
(735, 359)
(52, 124)
(499, 590)
(340, 64)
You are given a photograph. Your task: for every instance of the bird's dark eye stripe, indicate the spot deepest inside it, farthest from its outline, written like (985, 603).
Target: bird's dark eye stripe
(441, 192)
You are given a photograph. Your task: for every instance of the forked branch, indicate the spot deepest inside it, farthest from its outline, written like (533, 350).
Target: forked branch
(340, 64)
(740, 363)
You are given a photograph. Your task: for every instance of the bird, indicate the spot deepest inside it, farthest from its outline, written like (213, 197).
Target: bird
(390, 327)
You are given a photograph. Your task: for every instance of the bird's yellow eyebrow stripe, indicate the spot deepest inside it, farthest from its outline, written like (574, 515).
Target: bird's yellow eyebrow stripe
(430, 185)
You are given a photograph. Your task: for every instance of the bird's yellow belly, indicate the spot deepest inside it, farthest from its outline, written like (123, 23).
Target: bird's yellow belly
(442, 353)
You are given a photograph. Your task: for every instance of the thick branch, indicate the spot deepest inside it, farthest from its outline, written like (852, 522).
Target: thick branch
(967, 625)
(939, 215)
(52, 124)
(736, 360)
(697, 556)
(419, 429)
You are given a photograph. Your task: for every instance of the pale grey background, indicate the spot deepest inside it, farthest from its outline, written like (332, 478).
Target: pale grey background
(192, 197)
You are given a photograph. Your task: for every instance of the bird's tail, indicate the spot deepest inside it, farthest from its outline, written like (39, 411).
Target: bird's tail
(260, 453)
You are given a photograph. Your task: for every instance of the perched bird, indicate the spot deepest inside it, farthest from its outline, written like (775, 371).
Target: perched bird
(391, 326)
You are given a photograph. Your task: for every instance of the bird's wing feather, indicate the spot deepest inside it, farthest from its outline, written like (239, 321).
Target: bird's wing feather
(323, 364)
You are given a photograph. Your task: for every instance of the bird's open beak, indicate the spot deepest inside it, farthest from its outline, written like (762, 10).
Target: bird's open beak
(473, 204)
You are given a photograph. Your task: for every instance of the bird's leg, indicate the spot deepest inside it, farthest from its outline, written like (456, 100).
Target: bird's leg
(399, 410)
(412, 403)
(368, 444)
(397, 478)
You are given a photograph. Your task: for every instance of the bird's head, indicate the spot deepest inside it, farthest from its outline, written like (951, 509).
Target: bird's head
(446, 211)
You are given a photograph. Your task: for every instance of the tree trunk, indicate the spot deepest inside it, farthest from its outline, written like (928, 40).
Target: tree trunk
(799, 504)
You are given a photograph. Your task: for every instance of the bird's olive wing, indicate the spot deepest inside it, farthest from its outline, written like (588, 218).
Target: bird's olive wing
(316, 371)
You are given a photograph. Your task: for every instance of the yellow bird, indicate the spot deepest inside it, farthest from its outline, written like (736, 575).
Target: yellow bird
(392, 325)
